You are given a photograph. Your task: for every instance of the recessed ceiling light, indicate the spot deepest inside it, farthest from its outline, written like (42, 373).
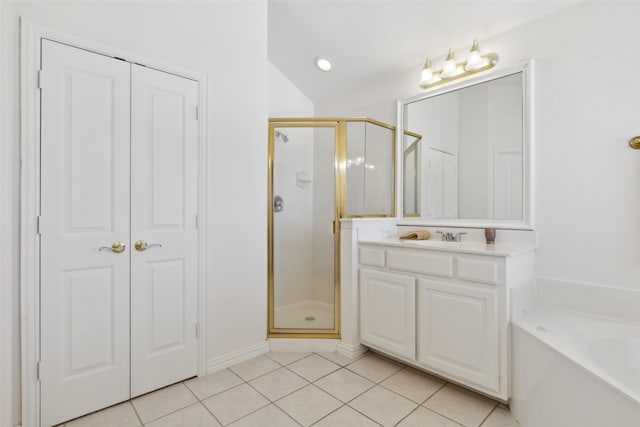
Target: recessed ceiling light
(323, 63)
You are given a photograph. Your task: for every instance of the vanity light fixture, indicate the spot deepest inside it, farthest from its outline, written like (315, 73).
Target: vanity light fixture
(323, 63)
(452, 70)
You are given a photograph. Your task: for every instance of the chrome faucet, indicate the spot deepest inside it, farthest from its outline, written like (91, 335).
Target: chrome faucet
(450, 237)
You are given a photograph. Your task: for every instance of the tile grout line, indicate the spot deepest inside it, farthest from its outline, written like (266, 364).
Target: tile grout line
(488, 415)
(245, 415)
(271, 402)
(219, 392)
(135, 411)
(328, 392)
(309, 384)
(207, 409)
(448, 417)
(442, 415)
(169, 413)
(445, 383)
(317, 379)
(348, 363)
(224, 391)
(259, 376)
(356, 396)
(342, 406)
(202, 404)
(293, 361)
(408, 415)
(433, 394)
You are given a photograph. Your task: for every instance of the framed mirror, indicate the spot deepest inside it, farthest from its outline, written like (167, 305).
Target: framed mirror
(467, 153)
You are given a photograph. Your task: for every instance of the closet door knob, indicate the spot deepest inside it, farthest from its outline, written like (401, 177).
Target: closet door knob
(141, 245)
(116, 248)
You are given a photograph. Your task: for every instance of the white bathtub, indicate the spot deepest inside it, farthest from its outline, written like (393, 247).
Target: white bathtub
(572, 369)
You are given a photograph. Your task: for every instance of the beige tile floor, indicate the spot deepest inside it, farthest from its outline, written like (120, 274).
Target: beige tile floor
(319, 389)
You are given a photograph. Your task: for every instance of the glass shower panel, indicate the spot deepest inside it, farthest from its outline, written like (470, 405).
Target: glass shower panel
(379, 170)
(354, 163)
(303, 240)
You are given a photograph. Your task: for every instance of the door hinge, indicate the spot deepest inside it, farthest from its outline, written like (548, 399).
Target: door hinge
(197, 330)
(197, 113)
(197, 222)
(38, 371)
(38, 226)
(39, 79)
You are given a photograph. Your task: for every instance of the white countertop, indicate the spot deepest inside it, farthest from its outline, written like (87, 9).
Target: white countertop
(471, 247)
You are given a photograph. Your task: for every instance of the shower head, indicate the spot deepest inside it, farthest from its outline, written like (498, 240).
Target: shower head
(282, 136)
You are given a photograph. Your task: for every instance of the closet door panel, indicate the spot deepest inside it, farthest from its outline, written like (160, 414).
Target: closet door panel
(164, 192)
(84, 291)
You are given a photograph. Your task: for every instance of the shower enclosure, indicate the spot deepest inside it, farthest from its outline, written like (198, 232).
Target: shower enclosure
(320, 170)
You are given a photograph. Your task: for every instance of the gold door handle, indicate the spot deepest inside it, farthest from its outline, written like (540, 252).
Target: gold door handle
(116, 248)
(141, 245)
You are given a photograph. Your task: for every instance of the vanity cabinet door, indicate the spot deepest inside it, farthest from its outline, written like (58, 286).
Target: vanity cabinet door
(458, 331)
(387, 312)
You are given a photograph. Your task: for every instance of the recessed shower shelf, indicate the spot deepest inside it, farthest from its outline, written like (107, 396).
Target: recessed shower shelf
(303, 179)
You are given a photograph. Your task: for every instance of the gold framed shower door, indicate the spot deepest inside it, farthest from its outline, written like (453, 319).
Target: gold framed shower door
(339, 124)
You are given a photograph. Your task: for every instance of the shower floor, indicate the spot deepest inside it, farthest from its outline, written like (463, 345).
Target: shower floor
(304, 315)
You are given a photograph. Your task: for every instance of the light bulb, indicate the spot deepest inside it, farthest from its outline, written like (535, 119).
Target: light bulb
(427, 73)
(475, 60)
(449, 68)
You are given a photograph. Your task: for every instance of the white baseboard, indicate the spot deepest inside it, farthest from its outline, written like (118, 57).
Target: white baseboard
(350, 350)
(229, 359)
(303, 344)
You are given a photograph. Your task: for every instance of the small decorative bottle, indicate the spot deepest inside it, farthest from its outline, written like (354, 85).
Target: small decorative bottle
(490, 235)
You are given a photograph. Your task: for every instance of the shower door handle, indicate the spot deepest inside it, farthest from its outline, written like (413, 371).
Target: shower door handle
(278, 204)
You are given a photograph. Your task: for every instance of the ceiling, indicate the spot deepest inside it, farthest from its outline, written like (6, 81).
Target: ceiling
(367, 39)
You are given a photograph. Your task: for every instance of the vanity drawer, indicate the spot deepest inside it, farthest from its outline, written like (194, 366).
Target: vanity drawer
(372, 256)
(424, 262)
(478, 270)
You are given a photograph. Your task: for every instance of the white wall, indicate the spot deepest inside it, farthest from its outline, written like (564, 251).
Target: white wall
(285, 99)
(227, 40)
(586, 109)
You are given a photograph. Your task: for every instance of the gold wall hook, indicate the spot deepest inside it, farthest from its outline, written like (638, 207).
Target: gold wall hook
(635, 143)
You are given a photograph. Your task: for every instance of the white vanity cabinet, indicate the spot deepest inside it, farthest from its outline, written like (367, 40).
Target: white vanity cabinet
(458, 331)
(388, 311)
(445, 307)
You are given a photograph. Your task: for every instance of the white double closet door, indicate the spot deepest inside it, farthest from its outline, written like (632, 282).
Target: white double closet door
(118, 166)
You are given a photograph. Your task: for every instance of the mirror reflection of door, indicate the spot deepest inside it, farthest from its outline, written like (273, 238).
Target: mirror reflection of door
(411, 171)
(507, 183)
(303, 242)
(442, 184)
